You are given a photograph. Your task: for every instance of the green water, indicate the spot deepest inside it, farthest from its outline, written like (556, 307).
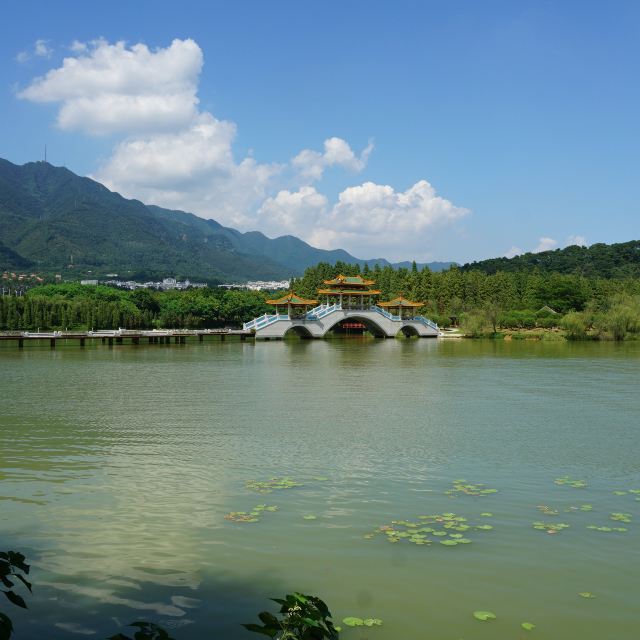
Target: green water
(117, 467)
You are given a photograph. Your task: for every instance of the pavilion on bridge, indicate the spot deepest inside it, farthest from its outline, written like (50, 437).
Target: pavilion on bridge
(292, 305)
(401, 307)
(350, 292)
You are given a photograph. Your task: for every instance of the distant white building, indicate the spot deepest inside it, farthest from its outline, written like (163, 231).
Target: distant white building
(259, 285)
(89, 282)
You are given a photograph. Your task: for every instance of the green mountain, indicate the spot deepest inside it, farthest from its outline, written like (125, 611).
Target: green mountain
(54, 220)
(620, 260)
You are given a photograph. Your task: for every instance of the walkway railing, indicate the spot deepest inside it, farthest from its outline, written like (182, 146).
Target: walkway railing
(264, 321)
(427, 322)
(385, 313)
(322, 310)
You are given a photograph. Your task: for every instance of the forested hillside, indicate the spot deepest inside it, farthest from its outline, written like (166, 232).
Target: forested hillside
(620, 260)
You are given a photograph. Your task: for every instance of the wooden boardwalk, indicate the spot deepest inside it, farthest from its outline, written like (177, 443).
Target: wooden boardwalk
(123, 336)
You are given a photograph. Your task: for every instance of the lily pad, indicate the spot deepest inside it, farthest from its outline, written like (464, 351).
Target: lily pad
(441, 525)
(469, 489)
(486, 514)
(351, 621)
(548, 511)
(527, 626)
(251, 516)
(586, 594)
(309, 516)
(621, 517)
(550, 527)
(372, 622)
(484, 615)
(571, 482)
(267, 486)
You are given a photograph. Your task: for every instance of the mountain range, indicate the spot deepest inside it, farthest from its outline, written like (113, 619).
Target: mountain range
(52, 220)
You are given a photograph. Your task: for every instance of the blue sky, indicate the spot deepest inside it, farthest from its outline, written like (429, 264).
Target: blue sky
(429, 130)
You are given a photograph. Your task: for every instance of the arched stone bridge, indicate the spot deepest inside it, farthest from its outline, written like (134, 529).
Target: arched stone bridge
(320, 320)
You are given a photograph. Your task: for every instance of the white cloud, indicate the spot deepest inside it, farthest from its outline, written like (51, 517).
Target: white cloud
(78, 47)
(288, 212)
(172, 154)
(513, 252)
(367, 219)
(109, 88)
(545, 244)
(192, 169)
(41, 49)
(581, 241)
(337, 152)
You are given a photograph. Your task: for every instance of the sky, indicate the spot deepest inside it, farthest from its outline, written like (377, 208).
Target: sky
(423, 130)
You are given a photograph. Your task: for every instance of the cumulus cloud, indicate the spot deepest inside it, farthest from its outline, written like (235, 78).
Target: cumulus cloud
(192, 169)
(288, 212)
(110, 88)
(41, 49)
(545, 244)
(366, 218)
(337, 152)
(581, 241)
(173, 154)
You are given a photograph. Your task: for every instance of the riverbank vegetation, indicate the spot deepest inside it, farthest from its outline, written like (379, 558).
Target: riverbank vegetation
(519, 304)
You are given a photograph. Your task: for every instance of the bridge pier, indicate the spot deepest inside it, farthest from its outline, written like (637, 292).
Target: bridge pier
(82, 342)
(53, 343)
(135, 340)
(201, 337)
(20, 343)
(110, 342)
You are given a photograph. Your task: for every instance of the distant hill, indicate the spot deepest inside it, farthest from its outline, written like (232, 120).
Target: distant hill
(620, 260)
(53, 220)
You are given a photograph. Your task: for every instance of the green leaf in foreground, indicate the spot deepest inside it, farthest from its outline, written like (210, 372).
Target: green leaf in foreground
(527, 626)
(484, 615)
(6, 627)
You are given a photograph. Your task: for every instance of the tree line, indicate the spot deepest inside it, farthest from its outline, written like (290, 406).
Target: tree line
(481, 302)
(75, 306)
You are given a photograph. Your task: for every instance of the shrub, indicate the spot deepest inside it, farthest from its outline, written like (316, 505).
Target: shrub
(575, 324)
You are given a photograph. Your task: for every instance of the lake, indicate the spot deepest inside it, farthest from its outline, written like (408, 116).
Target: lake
(118, 466)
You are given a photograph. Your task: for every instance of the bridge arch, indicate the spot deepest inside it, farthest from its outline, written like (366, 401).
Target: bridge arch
(298, 330)
(371, 325)
(409, 331)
